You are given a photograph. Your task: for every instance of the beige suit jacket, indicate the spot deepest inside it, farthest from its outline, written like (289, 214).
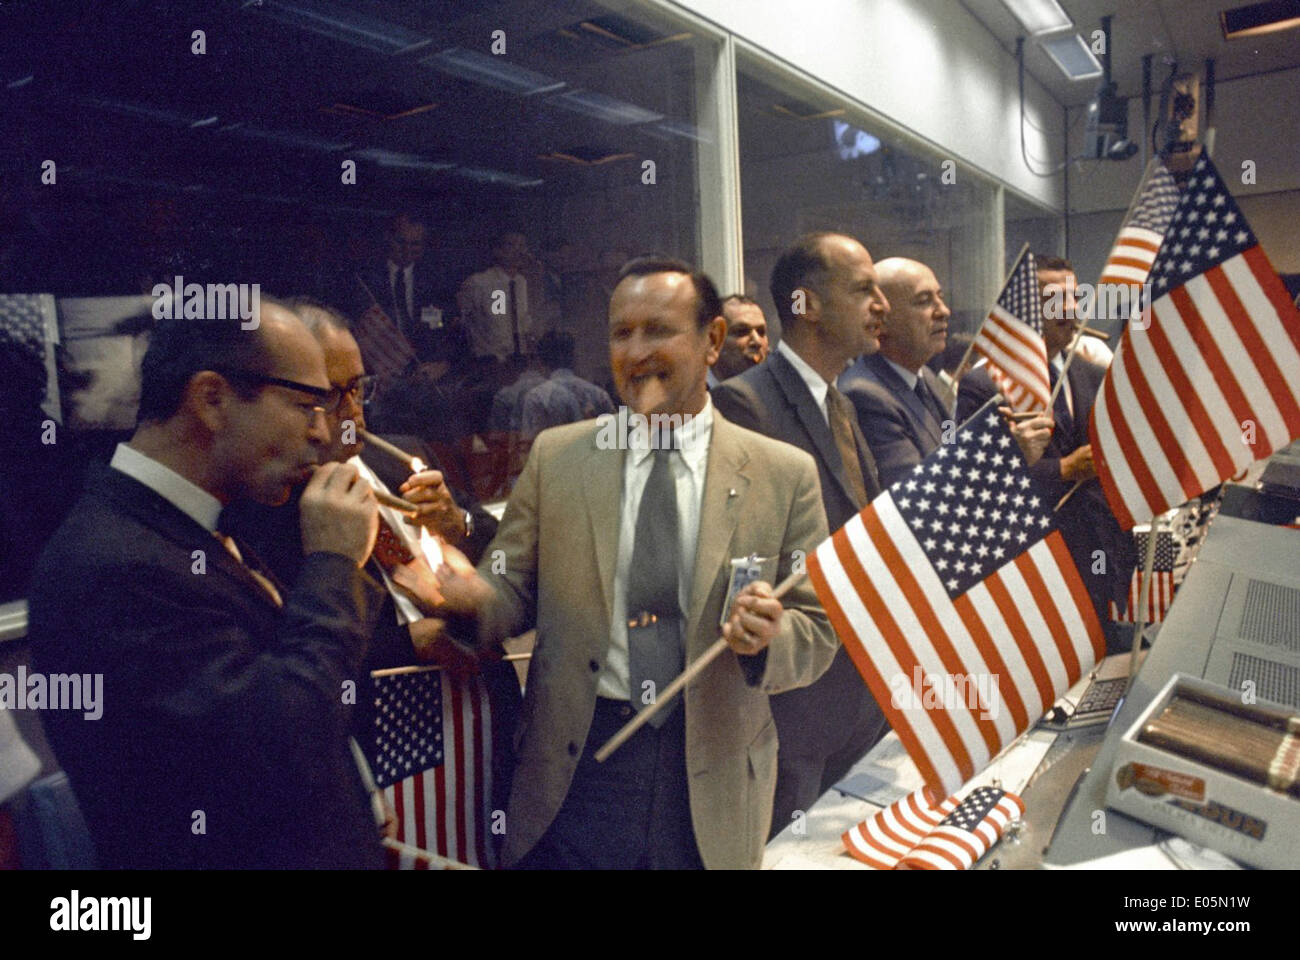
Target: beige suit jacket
(552, 563)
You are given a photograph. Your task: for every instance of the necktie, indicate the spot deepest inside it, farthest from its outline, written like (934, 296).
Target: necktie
(841, 419)
(930, 403)
(1060, 406)
(390, 551)
(514, 311)
(654, 632)
(263, 580)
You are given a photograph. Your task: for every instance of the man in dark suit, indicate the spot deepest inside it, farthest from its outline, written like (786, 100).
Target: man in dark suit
(618, 550)
(894, 393)
(223, 739)
(1103, 553)
(831, 310)
(404, 287)
(402, 633)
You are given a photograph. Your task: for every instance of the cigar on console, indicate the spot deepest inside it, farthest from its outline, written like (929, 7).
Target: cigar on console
(1099, 334)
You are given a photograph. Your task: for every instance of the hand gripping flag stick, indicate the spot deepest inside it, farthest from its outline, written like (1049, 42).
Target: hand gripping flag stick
(687, 675)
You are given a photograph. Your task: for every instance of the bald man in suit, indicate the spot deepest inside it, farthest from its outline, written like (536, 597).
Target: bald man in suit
(825, 728)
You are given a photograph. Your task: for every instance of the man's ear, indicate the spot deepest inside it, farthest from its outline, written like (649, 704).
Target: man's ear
(806, 304)
(717, 333)
(207, 398)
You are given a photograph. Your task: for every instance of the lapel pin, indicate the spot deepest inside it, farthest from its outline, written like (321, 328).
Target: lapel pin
(731, 492)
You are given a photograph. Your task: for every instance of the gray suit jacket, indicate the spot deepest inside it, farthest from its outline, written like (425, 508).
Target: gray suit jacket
(900, 429)
(773, 400)
(552, 563)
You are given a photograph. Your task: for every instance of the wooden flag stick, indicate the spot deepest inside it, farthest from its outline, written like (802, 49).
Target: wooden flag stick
(686, 676)
(1144, 595)
(961, 367)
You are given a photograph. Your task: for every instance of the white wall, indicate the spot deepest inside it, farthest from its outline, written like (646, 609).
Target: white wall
(927, 65)
(1255, 119)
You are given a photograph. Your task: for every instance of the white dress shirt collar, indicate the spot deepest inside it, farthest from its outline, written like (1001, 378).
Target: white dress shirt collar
(909, 377)
(192, 500)
(692, 441)
(816, 385)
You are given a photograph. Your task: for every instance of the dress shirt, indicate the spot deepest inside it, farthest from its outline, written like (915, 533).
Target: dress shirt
(689, 463)
(816, 385)
(407, 612)
(491, 334)
(909, 376)
(562, 398)
(193, 501)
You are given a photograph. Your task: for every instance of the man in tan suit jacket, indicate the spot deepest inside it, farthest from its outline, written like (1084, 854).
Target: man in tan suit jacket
(556, 563)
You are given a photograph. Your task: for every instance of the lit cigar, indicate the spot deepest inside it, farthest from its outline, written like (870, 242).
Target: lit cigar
(397, 503)
(1100, 335)
(385, 447)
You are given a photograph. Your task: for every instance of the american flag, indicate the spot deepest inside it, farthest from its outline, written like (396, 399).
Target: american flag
(1162, 580)
(387, 353)
(952, 835)
(29, 321)
(955, 582)
(1011, 338)
(1213, 383)
(1139, 239)
(431, 756)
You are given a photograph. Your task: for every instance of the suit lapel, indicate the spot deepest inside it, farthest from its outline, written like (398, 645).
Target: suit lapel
(805, 408)
(603, 488)
(920, 416)
(719, 515)
(168, 520)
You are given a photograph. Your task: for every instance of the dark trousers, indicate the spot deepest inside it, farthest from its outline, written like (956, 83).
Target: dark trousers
(823, 730)
(631, 812)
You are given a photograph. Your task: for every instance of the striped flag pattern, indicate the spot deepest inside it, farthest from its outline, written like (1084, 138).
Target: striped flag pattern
(1011, 339)
(1213, 382)
(431, 756)
(959, 603)
(385, 351)
(953, 835)
(1162, 580)
(1139, 238)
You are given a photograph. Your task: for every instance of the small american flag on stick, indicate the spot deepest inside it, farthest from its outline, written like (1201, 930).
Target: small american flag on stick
(914, 834)
(1143, 230)
(1011, 339)
(1212, 383)
(955, 578)
(431, 757)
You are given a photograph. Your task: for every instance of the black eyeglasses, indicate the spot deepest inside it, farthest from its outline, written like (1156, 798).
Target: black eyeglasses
(321, 394)
(360, 388)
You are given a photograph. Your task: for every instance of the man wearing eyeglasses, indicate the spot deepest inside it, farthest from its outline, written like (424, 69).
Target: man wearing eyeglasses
(403, 634)
(221, 737)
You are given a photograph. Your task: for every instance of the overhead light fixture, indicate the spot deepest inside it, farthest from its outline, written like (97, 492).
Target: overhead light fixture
(406, 161)
(1257, 19)
(1072, 55)
(602, 107)
(492, 71)
(1039, 16)
(484, 175)
(339, 23)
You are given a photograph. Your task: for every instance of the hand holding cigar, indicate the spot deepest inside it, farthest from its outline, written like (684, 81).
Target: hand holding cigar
(1032, 430)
